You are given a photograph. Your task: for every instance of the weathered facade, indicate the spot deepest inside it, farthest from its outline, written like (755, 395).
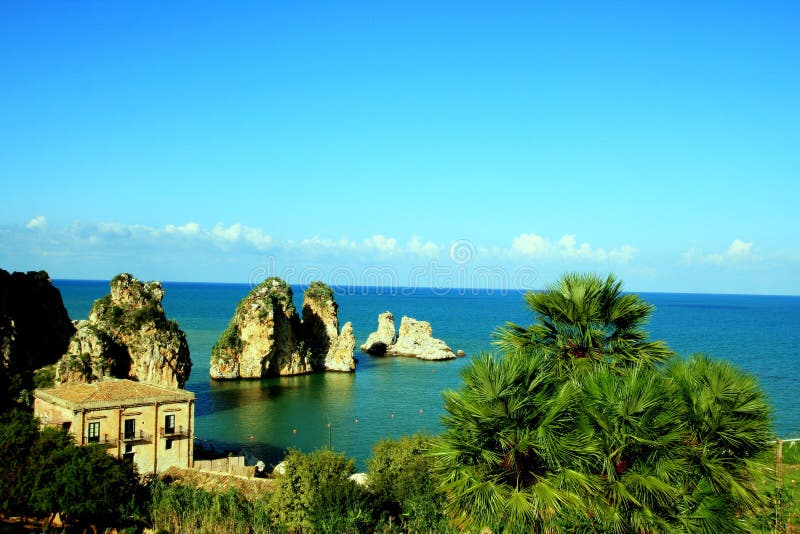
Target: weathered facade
(151, 425)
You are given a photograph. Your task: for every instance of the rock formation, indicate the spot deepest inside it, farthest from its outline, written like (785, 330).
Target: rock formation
(382, 338)
(414, 339)
(266, 337)
(321, 329)
(127, 335)
(34, 327)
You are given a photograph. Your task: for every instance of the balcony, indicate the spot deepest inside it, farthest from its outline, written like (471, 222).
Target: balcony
(134, 437)
(174, 433)
(103, 440)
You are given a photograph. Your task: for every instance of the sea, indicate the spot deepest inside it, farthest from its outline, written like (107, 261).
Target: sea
(393, 397)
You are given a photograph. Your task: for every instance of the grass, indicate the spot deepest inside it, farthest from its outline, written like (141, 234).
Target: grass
(782, 515)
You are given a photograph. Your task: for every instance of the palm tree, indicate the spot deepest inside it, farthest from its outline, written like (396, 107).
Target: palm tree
(582, 319)
(515, 454)
(637, 441)
(728, 425)
(637, 420)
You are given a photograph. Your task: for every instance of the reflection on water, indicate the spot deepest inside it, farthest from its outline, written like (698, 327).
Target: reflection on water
(398, 396)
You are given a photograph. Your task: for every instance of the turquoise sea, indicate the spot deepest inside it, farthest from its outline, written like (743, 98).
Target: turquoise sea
(390, 397)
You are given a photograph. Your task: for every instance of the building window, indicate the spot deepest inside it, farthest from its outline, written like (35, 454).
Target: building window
(130, 428)
(169, 424)
(93, 434)
(168, 444)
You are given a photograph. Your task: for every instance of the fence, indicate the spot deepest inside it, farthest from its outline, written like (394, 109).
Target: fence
(232, 465)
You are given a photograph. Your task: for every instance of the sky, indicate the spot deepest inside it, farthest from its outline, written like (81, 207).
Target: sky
(463, 144)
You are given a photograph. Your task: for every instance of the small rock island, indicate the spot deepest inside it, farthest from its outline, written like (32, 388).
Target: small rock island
(415, 339)
(127, 335)
(266, 336)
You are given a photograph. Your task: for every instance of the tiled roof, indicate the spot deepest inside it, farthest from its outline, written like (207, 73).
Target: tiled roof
(111, 392)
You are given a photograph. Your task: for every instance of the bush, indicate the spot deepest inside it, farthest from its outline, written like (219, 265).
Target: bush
(305, 478)
(401, 477)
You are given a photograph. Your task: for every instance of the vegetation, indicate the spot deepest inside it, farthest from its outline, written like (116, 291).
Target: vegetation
(44, 473)
(579, 424)
(582, 424)
(319, 291)
(401, 479)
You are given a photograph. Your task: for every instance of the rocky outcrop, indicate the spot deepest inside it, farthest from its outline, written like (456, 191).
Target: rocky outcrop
(382, 338)
(321, 329)
(34, 326)
(127, 335)
(414, 339)
(266, 337)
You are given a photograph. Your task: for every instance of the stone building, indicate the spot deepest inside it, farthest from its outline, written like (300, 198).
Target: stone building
(150, 425)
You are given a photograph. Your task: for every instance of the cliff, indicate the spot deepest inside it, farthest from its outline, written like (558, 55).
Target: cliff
(266, 337)
(127, 335)
(414, 339)
(34, 327)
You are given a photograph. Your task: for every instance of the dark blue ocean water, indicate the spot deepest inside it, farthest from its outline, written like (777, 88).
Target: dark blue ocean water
(390, 397)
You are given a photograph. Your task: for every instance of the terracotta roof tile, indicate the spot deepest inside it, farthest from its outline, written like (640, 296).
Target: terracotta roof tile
(112, 391)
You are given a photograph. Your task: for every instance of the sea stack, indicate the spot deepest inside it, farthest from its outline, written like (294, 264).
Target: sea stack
(382, 338)
(127, 335)
(266, 337)
(414, 339)
(320, 329)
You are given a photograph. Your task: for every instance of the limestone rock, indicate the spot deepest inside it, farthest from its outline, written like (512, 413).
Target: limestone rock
(261, 337)
(320, 330)
(267, 338)
(460, 353)
(382, 338)
(415, 338)
(362, 479)
(340, 356)
(34, 326)
(128, 335)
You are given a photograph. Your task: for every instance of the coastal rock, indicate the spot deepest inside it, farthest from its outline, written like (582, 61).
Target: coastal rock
(362, 479)
(460, 353)
(415, 338)
(260, 339)
(340, 356)
(127, 335)
(34, 326)
(382, 338)
(321, 330)
(266, 337)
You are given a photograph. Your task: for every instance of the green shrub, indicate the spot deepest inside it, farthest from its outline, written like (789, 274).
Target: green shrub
(306, 477)
(401, 477)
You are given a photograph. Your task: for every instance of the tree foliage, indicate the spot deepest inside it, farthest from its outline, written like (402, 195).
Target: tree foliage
(45, 473)
(584, 424)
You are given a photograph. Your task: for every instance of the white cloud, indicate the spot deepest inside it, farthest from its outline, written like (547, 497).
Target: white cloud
(37, 223)
(416, 246)
(567, 247)
(737, 252)
(530, 245)
(382, 243)
(188, 229)
(740, 248)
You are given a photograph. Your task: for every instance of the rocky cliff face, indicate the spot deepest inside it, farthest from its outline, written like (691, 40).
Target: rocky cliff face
(34, 326)
(414, 339)
(128, 335)
(266, 337)
(382, 338)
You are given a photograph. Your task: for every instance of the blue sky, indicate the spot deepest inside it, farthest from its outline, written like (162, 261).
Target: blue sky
(408, 142)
